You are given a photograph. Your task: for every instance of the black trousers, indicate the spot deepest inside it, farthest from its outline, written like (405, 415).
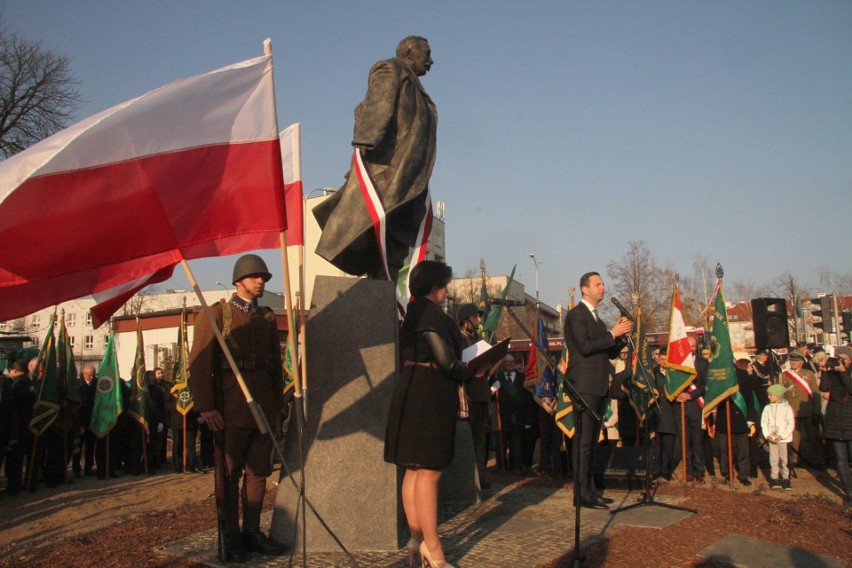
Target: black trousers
(589, 430)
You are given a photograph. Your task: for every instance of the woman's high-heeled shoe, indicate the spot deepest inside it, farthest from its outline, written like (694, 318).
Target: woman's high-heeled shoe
(427, 558)
(413, 549)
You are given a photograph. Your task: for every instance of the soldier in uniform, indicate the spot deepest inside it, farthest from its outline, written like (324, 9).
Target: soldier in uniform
(806, 409)
(252, 337)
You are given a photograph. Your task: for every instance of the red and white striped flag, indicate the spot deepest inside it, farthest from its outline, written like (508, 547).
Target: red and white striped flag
(291, 163)
(114, 202)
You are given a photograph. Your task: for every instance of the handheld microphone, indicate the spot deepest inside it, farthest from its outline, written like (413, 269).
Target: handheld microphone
(507, 302)
(622, 309)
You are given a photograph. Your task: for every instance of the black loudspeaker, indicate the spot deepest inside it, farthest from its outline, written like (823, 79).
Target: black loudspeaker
(769, 316)
(618, 467)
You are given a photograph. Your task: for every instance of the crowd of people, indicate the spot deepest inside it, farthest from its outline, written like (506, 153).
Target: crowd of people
(69, 448)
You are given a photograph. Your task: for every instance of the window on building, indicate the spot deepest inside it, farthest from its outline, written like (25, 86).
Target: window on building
(2, 326)
(106, 340)
(89, 342)
(36, 321)
(72, 341)
(89, 319)
(71, 320)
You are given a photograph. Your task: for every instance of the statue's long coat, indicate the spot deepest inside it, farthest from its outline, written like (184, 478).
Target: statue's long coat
(396, 125)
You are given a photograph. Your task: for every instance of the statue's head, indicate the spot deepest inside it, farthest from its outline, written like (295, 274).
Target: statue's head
(415, 51)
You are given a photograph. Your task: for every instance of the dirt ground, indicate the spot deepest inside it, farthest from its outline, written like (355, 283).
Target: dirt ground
(117, 522)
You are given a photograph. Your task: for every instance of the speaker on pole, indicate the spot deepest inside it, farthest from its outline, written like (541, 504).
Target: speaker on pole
(769, 316)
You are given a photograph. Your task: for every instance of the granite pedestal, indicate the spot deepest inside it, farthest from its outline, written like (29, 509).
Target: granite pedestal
(351, 352)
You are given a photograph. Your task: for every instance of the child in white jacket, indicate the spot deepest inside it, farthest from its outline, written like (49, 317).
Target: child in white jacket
(777, 423)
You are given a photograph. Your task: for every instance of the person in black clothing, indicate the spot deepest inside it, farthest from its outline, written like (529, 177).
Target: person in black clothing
(662, 422)
(590, 347)
(87, 385)
(23, 396)
(743, 426)
(421, 427)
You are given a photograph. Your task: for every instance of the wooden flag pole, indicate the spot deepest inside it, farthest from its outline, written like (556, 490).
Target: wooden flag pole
(256, 411)
(303, 321)
(106, 458)
(183, 439)
(288, 299)
(730, 442)
(683, 437)
(144, 436)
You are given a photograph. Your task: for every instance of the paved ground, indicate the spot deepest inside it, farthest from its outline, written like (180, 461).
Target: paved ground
(501, 532)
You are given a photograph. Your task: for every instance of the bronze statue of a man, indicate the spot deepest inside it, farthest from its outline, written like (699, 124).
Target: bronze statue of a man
(394, 140)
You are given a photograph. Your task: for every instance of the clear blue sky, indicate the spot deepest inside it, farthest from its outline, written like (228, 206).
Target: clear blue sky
(566, 129)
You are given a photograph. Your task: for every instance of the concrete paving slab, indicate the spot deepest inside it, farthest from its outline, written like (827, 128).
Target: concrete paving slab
(653, 516)
(745, 552)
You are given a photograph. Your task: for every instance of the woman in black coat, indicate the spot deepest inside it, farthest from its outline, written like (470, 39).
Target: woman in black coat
(837, 382)
(422, 418)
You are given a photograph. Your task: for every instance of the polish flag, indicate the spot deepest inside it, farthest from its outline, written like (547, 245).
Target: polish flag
(680, 361)
(114, 202)
(291, 163)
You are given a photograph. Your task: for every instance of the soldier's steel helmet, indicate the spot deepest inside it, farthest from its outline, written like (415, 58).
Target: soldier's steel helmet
(249, 265)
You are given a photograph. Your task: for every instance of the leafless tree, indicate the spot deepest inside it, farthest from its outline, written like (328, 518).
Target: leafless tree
(638, 281)
(37, 93)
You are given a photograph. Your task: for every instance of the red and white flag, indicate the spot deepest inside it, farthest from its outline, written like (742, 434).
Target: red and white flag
(680, 361)
(291, 163)
(114, 202)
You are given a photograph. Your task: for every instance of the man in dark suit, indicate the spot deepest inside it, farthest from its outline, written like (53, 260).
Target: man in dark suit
(590, 347)
(693, 399)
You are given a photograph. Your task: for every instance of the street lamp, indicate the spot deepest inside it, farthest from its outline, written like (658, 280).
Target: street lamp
(537, 300)
(227, 291)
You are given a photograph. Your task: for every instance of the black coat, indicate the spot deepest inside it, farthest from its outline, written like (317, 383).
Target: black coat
(87, 400)
(517, 405)
(838, 412)
(590, 347)
(662, 419)
(421, 425)
(739, 421)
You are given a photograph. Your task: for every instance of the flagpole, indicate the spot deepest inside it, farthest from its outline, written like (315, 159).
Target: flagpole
(683, 437)
(106, 465)
(183, 416)
(730, 441)
(288, 299)
(303, 322)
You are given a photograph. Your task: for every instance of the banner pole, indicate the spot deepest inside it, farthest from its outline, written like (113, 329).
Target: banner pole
(683, 437)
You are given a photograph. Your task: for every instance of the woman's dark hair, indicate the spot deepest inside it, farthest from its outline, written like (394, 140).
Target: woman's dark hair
(742, 364)
(427, 275)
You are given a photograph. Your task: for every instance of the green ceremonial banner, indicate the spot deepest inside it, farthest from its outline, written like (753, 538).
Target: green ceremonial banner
(180, 372)
(289, 372)
(138, 385)
(485, 306)
(637, 390)
(108, 404)
(721, 373)
(564, 407)
(66, 375)
(46, 407)
(490, 325)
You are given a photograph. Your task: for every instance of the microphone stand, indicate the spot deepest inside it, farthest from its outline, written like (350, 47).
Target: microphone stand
(580, 406)
(647, 497)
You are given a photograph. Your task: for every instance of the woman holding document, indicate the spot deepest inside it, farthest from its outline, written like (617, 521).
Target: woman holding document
(424, 407)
